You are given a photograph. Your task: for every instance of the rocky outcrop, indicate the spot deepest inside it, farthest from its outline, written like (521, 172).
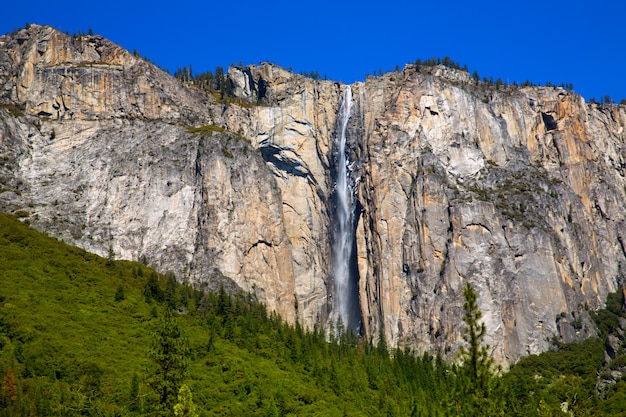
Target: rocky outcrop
(52, 75)
(104, 150)
(293, 129)
(518, 191)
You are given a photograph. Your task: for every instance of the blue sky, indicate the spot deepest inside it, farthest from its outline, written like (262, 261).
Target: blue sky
(578, 42)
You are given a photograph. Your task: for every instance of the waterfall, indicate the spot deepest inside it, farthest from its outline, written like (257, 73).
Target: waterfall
(343, 250)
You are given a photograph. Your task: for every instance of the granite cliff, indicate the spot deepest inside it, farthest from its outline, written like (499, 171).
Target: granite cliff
(519, 191)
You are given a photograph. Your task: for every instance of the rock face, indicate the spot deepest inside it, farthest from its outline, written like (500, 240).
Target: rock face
(99, 150)
(518, 191)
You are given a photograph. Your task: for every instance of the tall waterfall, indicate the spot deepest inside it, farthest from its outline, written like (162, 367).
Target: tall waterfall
(344, 254)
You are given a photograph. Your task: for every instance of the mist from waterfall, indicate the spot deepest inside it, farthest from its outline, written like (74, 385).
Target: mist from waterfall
(344, 256)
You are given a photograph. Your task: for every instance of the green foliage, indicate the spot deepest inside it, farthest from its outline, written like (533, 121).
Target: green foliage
(133, 395)
(110, 257)
(8, 395)
(206, 130)
(209, 130)
(168, 353)
(446, 61)
(227, 153)
(606, 319)
(185, 406)
(13, 109)
(553, 378)
(217, 82)
(475, 358)
(22, 213)
(152, 290)
(119, 294)
(477, 391)
(423, 65)
(170, 292)
(315, 75)
(60, 326)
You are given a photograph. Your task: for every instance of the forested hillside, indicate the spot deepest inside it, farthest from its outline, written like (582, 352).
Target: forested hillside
(84, 335)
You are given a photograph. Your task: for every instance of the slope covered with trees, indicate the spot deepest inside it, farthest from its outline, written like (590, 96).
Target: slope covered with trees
(84, 335)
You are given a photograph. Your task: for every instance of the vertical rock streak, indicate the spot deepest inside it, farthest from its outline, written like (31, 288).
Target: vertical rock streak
(346, 304)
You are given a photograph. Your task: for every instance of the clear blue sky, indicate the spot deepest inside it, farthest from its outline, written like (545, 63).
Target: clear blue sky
(575, 41)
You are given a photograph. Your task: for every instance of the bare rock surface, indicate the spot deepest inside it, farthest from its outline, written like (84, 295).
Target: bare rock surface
(519, 191)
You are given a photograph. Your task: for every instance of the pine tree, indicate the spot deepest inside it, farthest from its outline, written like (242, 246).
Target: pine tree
(111, 257)
(271, 410)
(170, 291)
(185, 406)
(169, 356)
(133, 395)
(9, 390)
(476, 360)
(381, 347)
(152, 291)
(119, 294)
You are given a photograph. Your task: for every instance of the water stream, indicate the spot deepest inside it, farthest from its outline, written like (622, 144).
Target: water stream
(344, 256)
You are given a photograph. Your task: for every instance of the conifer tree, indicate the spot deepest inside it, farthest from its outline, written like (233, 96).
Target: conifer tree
(9, 390)
(185, 406)
(476, 362)
(170, 291)
(477, 389)
(133, 395)
(169, 356)
(119, 294)
(271, 409)
(110, 257)
(152, 291)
